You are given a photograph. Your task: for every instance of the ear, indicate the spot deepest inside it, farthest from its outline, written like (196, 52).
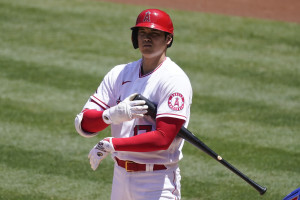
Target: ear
(169, 39)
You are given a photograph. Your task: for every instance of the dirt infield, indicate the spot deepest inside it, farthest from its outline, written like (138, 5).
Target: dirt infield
(281, 10)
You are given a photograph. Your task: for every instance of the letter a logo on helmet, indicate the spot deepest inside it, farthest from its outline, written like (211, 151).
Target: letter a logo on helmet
(147, 17)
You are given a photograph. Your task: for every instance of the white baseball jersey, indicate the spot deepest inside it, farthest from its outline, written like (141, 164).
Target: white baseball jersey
(167, 86)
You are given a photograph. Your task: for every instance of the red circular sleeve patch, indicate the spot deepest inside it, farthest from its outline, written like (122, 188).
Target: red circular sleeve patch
(176, 101)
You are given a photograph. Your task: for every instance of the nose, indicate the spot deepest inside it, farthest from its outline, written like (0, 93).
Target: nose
(147, 38)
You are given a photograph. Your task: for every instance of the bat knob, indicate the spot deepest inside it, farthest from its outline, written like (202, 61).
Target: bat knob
(263, 190)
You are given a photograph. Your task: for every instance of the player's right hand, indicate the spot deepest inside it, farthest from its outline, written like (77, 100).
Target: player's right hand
(126, 110)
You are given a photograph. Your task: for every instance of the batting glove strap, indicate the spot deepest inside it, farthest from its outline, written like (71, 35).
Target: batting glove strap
(106, 145)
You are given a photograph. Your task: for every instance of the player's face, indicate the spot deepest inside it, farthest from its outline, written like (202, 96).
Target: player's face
(152, 42)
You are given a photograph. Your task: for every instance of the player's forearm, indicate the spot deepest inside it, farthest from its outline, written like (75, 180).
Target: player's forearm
(160, 139)
(92, 121)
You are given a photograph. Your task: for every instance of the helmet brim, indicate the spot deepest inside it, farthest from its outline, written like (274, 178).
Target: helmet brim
(153, 26)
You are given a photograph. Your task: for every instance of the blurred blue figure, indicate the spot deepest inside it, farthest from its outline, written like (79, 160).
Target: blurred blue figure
(293, 195)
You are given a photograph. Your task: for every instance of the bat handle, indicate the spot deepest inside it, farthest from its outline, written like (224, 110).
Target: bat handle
(152, 110)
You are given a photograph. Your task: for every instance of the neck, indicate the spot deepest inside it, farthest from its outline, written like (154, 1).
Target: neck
(149, 64)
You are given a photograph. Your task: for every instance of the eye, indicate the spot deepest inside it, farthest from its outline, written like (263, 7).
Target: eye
(142, 33)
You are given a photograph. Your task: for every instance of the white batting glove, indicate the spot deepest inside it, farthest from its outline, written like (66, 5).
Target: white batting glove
(100, 151)
(126, 110)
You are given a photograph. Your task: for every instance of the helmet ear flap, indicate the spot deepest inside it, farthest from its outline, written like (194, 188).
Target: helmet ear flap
(134, 39)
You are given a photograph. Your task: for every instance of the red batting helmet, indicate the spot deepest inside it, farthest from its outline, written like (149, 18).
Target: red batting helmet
(152, 18)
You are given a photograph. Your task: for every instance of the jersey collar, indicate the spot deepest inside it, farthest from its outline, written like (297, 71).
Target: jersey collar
(141, 75)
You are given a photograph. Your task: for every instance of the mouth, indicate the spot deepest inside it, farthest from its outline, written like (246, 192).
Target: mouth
(147, 45)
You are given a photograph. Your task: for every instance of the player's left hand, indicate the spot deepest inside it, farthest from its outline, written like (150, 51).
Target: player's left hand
(100, 151)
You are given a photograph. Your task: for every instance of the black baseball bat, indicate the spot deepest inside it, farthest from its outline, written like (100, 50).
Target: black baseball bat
(191, 138)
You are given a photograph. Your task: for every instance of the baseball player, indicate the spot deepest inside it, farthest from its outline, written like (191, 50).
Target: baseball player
(146, 151)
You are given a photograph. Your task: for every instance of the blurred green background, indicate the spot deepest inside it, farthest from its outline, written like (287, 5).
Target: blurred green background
(245, 75)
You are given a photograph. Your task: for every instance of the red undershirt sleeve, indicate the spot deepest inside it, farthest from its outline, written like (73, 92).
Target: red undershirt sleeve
(92, 121)
(160, 139)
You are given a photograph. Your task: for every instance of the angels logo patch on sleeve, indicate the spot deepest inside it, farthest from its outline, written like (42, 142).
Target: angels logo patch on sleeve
(176, 101)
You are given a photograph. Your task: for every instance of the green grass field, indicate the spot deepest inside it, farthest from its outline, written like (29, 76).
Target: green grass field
(245, 75)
